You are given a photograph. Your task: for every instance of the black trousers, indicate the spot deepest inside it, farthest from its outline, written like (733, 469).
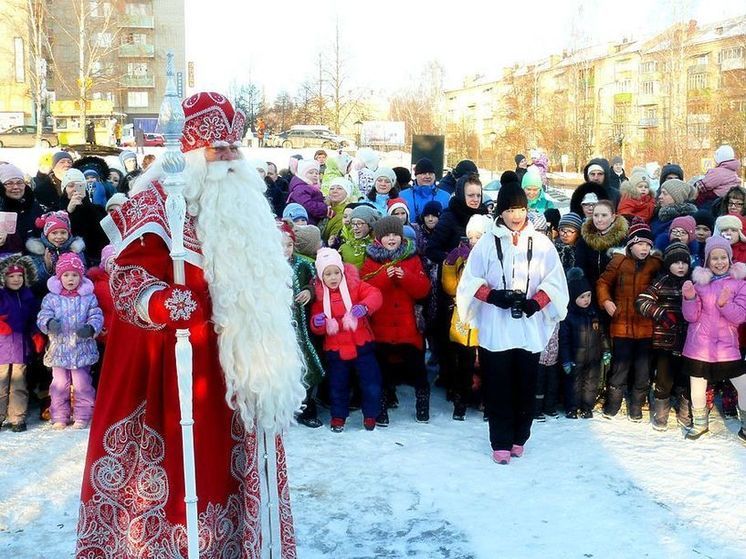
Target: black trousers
(509, 387)
(581, 386)
(547, 389)
(669, 377)
(464, 367)
(630, 356)
(401, 364)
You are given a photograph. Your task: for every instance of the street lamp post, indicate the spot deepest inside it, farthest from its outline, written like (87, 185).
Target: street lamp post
(493, 141)
(358, 131)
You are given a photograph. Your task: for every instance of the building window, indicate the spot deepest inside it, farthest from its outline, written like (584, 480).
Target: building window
(136, 9)
(735, 53)
(102, 96)
(696, 81)
(19, 58)
(99, 9)
(647, 88)
(103, 40)
(698, 130)
(137, 99)
(651, 66)
(651, 113)
(134, 39)
(624, 86)
(702, 59)
(137, 69)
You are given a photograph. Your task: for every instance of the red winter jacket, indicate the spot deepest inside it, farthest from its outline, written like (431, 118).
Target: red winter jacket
(361, 293)
(395, 323)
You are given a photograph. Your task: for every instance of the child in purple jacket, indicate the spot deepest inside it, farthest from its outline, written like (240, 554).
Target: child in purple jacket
(71, 316)
(18, 308)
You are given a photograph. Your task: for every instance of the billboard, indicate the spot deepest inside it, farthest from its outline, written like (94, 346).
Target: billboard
(382, 133)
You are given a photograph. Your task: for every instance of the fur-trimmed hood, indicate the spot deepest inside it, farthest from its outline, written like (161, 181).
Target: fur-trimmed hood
(29, 270)
(703, 276)
(378, 253)
(613, 238)
(37, 245)
(85, 288)
(580, 192)
(669, 213)
(629, 189)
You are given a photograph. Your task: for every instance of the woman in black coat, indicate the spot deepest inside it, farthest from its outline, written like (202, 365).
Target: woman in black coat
(451, 228)
(17, 197)
(85, 218)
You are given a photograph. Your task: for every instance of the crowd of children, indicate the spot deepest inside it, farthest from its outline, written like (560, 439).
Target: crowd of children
(655, 319)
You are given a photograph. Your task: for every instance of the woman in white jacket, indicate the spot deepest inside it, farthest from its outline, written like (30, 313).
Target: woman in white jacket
(514, 291)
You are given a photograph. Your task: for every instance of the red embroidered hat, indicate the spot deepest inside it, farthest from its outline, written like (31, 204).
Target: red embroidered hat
(211, 121)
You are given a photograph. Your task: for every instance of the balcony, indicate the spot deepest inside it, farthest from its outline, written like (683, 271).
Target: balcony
(698, 69)
(138, 81)
(622, 98)
(648, 99)
(137, 21)
(649, 122)
(136, 51)
(699, 94)
(733, 64)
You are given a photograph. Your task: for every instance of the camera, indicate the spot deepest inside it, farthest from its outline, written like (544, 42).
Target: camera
(515, 308)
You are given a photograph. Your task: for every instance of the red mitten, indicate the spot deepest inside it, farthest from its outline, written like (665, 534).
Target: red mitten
(176, 307)
(5, 330)
(39, 342)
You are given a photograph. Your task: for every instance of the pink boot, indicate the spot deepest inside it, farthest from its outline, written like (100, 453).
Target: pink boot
(501, 456)
(516, 451)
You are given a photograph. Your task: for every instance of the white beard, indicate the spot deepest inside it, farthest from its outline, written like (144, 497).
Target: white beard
(250, 285)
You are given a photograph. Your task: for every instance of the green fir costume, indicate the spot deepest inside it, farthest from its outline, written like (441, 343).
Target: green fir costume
(303, 274)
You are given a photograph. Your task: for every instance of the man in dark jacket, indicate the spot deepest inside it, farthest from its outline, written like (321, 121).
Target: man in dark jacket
(597, 171)
(462, 169)
(277, 189)
(616, 174)
(521, 164)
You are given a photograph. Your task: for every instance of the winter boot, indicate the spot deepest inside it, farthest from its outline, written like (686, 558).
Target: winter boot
(742, 430)
(369, 423)
(684, 412)
(700, 423)
(586, 414)
(337, 424)
(516, 451)
(613, 402)
(459, 409)
(571, 414)
(422, 404)
(501, 456)
(637, 403)
(662, 408)
(19, 427)
(309, 415)
(730, 401)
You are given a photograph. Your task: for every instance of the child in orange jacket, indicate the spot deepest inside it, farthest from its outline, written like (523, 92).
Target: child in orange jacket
(340, 314)
(638, 200)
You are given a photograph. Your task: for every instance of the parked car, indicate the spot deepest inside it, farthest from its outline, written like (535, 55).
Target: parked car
(151, 140)
(309, 139)
(25, 137)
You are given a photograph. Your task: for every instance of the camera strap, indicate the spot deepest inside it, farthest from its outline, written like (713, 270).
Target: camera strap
(529, 256)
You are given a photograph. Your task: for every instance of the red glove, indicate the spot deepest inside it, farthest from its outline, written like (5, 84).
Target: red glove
(176, 307)
(5, 329)
(39, 342)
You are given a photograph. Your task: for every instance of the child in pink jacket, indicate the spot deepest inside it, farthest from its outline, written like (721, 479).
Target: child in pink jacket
(714, 305)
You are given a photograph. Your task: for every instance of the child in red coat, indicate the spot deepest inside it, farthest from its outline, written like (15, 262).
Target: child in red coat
(393, 266)
(100, 278)
(638, 199)
(339, 314)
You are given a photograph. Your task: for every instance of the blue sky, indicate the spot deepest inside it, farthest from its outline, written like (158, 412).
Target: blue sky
(387, 42)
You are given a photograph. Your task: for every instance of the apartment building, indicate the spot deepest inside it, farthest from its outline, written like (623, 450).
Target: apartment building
(672, 96)
(16, 87)
(126, 43)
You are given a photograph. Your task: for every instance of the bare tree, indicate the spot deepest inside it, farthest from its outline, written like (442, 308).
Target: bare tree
(418, 106)
(248, 98)
(93, 27)
(279, 116)
(344, 100)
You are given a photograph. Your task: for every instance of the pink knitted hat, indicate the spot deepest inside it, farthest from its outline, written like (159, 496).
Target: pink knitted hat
(326, 257)
(52, 221)
(69, 262)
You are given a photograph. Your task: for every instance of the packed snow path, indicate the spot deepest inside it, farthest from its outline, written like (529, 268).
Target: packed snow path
(584, 488)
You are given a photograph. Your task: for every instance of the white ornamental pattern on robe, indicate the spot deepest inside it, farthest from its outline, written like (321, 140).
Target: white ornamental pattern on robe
(126, 517)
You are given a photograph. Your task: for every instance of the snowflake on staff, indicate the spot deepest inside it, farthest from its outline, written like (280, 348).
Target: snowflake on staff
(180, 305)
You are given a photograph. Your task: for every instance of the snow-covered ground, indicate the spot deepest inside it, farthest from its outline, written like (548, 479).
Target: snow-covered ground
(584, 488)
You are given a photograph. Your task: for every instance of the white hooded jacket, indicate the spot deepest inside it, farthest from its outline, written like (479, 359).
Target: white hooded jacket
(498, 331)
